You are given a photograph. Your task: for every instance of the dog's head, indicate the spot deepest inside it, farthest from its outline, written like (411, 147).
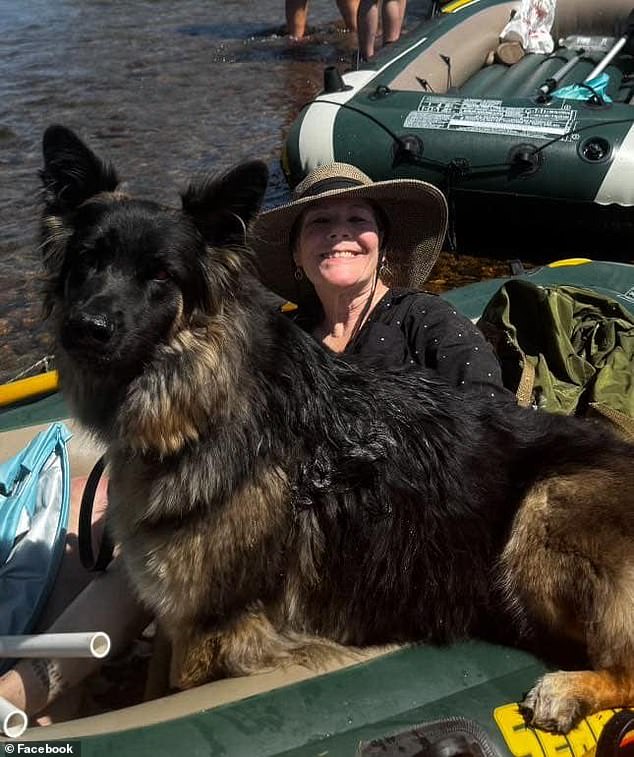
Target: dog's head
(122, 274)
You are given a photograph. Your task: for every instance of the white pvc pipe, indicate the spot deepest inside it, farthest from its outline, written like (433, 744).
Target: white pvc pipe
(607, 59)
(85, 644)
(13, 721)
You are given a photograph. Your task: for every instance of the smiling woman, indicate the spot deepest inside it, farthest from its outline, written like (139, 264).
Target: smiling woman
(338, 251)
(354, 255)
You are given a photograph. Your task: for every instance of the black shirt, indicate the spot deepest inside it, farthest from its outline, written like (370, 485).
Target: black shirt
(409, 327)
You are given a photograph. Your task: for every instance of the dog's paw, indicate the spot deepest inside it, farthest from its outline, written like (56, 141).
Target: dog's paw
(552, 704)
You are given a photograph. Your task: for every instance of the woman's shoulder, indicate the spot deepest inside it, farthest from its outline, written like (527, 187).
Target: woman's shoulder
(428, 318)
(418, 304)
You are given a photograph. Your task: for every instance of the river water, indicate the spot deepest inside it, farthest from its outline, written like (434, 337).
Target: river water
(165, 90)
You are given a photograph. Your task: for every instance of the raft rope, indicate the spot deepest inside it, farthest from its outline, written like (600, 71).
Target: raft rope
(595, 125)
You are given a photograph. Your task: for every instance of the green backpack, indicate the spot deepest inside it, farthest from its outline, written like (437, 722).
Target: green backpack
(564, 349)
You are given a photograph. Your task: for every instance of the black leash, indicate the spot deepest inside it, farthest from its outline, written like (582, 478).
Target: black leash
(106, 547)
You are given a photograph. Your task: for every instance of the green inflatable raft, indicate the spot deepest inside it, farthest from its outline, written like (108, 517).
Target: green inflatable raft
(513, 147)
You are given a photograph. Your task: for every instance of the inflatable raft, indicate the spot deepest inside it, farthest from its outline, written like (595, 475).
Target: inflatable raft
(499, 138)
(442, 702)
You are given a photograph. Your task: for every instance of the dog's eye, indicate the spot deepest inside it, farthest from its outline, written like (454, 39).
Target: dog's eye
(160, 275)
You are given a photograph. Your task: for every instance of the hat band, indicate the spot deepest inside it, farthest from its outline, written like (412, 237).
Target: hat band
(328, 185)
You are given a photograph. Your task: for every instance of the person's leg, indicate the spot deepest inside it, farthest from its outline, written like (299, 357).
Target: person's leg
(349, 10)
(107, 604)
(296, 18)
(367, 25)
(425, 8)
(392, 15)
(72, 577)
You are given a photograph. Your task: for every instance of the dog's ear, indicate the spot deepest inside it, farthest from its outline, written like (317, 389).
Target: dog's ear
(222, 207)
(72, 172)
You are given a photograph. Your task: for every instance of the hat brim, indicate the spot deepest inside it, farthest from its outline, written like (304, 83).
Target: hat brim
(417, 215)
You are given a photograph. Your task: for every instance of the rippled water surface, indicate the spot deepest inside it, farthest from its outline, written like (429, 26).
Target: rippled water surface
(164, 89)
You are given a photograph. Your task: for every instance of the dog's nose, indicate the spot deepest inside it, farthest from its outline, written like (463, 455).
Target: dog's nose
(90, 328)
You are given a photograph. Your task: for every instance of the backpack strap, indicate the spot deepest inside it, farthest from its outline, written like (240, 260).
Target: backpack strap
(624, 424)
(524, 391)
(106, 547)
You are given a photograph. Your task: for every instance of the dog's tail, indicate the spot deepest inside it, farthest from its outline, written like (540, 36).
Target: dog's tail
(550, 443)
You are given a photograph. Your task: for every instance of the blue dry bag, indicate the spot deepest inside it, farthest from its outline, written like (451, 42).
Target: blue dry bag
(34, 503)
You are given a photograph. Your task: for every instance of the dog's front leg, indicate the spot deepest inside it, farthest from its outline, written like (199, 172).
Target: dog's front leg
(194, 660)
(250, 645)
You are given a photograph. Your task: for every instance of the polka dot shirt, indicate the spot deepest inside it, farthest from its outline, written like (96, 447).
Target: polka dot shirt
(409, 327)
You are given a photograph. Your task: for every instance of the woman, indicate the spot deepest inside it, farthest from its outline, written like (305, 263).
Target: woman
(353, 254)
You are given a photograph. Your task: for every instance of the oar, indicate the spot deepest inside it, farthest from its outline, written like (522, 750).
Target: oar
(549, 85)
(614, 51)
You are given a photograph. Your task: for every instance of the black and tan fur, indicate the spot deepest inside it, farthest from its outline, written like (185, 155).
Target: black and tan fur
(272, 501)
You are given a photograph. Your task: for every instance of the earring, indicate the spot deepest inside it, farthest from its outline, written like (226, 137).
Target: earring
(299, 274)
(383, 267)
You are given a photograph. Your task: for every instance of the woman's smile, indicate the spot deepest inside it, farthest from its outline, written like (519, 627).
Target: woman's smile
(341, 254)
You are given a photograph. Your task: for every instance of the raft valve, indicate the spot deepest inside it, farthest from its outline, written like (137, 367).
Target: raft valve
(595, 150)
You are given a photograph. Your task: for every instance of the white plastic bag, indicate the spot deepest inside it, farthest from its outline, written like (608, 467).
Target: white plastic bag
(531, 26)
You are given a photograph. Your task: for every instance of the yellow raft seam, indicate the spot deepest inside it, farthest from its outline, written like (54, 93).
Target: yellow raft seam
(568, 261)
(23, 389)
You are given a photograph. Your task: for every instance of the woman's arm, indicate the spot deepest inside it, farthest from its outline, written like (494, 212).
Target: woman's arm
(446, 341)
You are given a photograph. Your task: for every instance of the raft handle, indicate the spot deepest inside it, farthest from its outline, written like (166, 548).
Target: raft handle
(380, 92)
(458, 168)
(333, 81)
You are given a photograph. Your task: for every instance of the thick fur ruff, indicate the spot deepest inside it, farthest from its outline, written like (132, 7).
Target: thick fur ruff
(273, 501)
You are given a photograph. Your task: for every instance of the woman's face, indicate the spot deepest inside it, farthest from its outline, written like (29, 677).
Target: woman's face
(338, 244)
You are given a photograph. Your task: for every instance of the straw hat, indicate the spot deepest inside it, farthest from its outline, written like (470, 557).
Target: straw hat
(416, 213)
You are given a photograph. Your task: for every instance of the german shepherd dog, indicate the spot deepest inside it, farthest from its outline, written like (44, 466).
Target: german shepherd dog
(273, 502)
